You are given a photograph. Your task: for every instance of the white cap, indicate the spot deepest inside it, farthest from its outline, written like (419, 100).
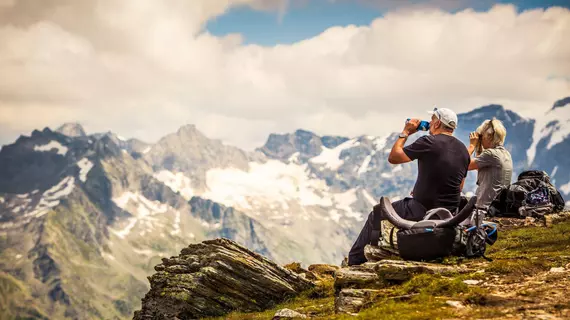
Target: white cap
(446, 116)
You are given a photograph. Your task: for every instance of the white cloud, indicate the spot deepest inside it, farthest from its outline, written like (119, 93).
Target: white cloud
(143, 68)
(412, 5)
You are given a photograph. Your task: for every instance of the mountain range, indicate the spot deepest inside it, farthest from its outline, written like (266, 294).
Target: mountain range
(84, 218)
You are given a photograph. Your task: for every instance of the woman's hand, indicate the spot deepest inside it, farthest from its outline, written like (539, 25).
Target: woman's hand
(473, 138)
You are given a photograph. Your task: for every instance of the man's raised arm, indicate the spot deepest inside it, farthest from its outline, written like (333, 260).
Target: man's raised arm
(397, 155)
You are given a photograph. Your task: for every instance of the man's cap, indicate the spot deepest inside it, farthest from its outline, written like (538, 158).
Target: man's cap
(446, 116)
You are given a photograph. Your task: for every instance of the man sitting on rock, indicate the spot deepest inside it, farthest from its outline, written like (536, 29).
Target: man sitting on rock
(442, 167)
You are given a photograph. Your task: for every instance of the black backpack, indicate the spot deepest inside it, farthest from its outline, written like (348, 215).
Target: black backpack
(532, 195)
(441, 234)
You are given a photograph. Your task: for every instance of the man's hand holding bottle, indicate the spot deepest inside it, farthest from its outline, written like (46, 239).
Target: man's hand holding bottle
(411, 126)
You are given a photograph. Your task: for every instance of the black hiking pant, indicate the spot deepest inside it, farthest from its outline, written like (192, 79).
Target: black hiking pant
(408, 208)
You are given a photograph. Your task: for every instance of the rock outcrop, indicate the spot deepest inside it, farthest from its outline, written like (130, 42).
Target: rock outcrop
(216, 277)
(357, 287)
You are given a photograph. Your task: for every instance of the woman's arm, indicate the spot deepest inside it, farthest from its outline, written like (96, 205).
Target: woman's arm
(472, 165)
(473, 140)
(471, 149)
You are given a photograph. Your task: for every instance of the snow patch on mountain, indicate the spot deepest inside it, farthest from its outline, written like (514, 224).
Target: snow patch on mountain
(559, 133)
(554, 172)
(330, 158)
(28, 206)
(565, 188)
(211, 226)
(344, 201)
(554, 126)
(178, 182)
(272, 181)
(61, 149)
(294, 157)
(145, 252)
(85, 166)
(334, 215)
(109, 256)
(364, 167)
(380, 142)
(147, 205)
(397, 168)
(143, 211)
(368, 197)
(386, 175)
(62, 189)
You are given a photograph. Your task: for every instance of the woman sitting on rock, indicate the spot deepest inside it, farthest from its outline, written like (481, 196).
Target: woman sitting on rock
(492, 161)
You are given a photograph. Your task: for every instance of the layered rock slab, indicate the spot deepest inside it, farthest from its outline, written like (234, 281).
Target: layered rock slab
(216, 277)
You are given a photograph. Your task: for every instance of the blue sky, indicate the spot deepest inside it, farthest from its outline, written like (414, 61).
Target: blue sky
(302, 22)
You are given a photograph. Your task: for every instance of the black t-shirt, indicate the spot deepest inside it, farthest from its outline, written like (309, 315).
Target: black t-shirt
(442, 165)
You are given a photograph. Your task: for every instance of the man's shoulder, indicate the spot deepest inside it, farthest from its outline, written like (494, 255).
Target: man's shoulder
(428, 138)
(450, 140)
(423, 141)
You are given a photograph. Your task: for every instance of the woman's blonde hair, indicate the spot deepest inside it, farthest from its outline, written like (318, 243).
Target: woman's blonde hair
(494, 130)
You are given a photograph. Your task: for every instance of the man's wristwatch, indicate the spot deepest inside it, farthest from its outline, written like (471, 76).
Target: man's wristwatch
(403, 135)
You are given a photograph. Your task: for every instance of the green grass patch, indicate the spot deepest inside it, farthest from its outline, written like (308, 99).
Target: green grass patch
(434, 285)
(529, 250)
(517, 268)
(422, 306)
(533, 242)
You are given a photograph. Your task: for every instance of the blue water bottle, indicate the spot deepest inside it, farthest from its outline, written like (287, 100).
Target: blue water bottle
(424, 125)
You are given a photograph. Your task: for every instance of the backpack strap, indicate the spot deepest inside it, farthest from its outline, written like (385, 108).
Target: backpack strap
(392, 238)
(388, 212)
(440, 213)
(462, 215)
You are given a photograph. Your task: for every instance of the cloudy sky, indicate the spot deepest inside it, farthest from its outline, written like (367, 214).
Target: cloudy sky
(241, 69)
